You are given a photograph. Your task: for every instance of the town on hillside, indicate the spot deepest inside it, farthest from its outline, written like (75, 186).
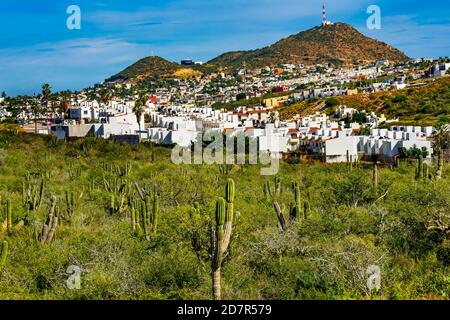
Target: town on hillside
(247, 102)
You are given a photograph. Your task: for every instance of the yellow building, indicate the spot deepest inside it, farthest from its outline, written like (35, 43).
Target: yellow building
(351, 92)
(275, 102)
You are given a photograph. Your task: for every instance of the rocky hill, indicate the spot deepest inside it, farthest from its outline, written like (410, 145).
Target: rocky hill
(146, 67)
(339, 44)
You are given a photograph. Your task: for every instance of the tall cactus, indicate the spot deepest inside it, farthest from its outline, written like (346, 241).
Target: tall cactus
(70, 203)
(422, 170)
(9, 221)
(306, 209)
(295, 208)
(375, 176)
(135, 221)
(3, 254)
(32, 194)
(419, 167)
(120, 191)
(147, 213)
(440, 164)
(49, 228)
(349, 161)
(425, 171)
(196, 226)
(221, 236)
(125, 170)
(276, 191)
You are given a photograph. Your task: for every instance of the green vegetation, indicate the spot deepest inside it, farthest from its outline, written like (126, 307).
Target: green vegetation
(249, 102)
(423, 106)
(340, 222)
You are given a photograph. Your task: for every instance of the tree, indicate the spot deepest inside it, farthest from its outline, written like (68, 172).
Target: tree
(359, 117)
(36, 109)
(64, 99)
(441, 136)
(46, 93)
(332, 102)
(241, 96)
(138, 109)
(104, 95)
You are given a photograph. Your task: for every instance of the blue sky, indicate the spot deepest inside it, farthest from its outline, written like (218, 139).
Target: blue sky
(37, 47)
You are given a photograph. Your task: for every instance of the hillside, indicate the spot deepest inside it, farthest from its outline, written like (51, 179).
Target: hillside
(148, 66)
(421, 105)
(339, 44)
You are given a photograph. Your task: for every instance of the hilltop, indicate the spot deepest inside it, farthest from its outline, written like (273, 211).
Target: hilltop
(339, 44)
(145, 67)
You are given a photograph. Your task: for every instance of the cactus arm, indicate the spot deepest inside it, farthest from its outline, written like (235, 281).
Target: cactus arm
(3, 254)
(139, 190)
(8, 209)
(280, 216)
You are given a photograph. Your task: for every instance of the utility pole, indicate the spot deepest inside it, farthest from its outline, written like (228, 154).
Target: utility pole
(324, 15)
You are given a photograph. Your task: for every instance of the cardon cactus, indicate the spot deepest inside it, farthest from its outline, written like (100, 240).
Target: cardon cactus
(221, 236)
(440, 164)
(49, 228)
(419, 167)
(8, 211)
(70, 203)
(276, 191)
(195, 231)
(9, 225)
(120, 191)
(349, 161)
(135, 221)
(295, 208)
(32, 194)
(3, 254)
(425, 171)
(306, 209)
(149, 213)
(375, 176)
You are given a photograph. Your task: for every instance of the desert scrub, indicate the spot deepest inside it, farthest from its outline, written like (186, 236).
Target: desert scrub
(348, 227)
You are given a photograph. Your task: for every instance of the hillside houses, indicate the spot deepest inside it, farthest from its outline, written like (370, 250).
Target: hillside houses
(314, 135)
(89, 118)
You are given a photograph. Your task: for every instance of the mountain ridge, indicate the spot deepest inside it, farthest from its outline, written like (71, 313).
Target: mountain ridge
(337, 44)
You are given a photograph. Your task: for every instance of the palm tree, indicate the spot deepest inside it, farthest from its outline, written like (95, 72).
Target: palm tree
(65, 97)
(138, 109)
(36, 109)
(105, 95)
(46, 93)
(441, 136)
